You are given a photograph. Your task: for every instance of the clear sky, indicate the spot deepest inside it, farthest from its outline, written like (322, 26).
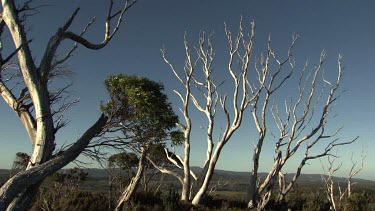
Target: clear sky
(338, 26)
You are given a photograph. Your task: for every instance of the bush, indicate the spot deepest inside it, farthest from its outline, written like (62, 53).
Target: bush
(80, 200)
(279, 206)
(316, 202)
(296, 200)
(83, 200)
(148, 198)
(171, 200)
(358, 202)
(223, 202)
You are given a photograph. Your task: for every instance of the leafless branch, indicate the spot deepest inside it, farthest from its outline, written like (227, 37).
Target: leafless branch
(108, 33)
(219, 184)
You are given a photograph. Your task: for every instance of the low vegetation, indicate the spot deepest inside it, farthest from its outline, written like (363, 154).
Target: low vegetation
(76, 189)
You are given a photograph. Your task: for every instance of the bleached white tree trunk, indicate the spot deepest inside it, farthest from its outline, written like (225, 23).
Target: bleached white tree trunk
(244, 93)
(334, 196)
(132, 187)
(37, 116)
(25, 179)
(303, 123)
(307, 111)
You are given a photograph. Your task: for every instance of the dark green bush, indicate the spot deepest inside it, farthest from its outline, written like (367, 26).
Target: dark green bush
(223, 202)
(316, 202)
(296, 199)
(358, 202)
(171, 200)
(279, 206)
(148, 198)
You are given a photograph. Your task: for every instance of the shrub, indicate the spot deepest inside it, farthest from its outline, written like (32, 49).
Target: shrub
(316, 202)
(358, 202)
(171, 200)
(83, 200)
(296, 199)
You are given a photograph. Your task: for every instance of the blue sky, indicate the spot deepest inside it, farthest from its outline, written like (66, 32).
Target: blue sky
(337, 26)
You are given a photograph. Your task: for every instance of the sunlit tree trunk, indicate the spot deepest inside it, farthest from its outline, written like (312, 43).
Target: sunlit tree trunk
(336, 196)
(240, 49)
(302, 124)
(25, 179)
(132, 187)
(37, 117)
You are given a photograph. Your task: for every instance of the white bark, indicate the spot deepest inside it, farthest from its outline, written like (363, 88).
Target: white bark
(242, 96)
(25, 179)
(23, 113)
(293, 125)
(132, 187)
(189, 70)
(40, 124)
(329, 183)
(44, 137)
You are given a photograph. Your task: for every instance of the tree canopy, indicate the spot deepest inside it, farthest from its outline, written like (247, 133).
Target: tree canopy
(139, 108)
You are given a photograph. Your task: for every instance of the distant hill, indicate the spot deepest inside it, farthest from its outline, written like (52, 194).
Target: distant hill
(235, 178)
(4, 173)
(303, 178)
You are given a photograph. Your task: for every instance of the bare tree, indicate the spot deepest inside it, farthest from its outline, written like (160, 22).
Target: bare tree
(206, 88)
(337, 199)
(34, 103)
(219, 184)
(302, 125)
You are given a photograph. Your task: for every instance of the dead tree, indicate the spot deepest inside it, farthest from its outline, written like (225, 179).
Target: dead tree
(337, 199)
(301, 123)
(206, 88)
(34, 103)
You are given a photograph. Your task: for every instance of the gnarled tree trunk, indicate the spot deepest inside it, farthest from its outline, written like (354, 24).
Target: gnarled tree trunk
(132, 187)
(34, 105)
(240, 47)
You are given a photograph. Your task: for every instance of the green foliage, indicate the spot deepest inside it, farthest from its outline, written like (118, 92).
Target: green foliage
(157, 153)
(20, 162)
(296, 199)
(124, 160)
(171, 200)
(317, 202)
(224, 202)
(139, 107)
(141, 111)
(274, 205)
(177, 138)
(122, 168)
(358, 202)
(74, 177)
(148, 197)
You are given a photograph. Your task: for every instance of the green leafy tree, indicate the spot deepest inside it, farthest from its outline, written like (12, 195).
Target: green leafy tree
(139, 108)
(141, 111)
(19, 163)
